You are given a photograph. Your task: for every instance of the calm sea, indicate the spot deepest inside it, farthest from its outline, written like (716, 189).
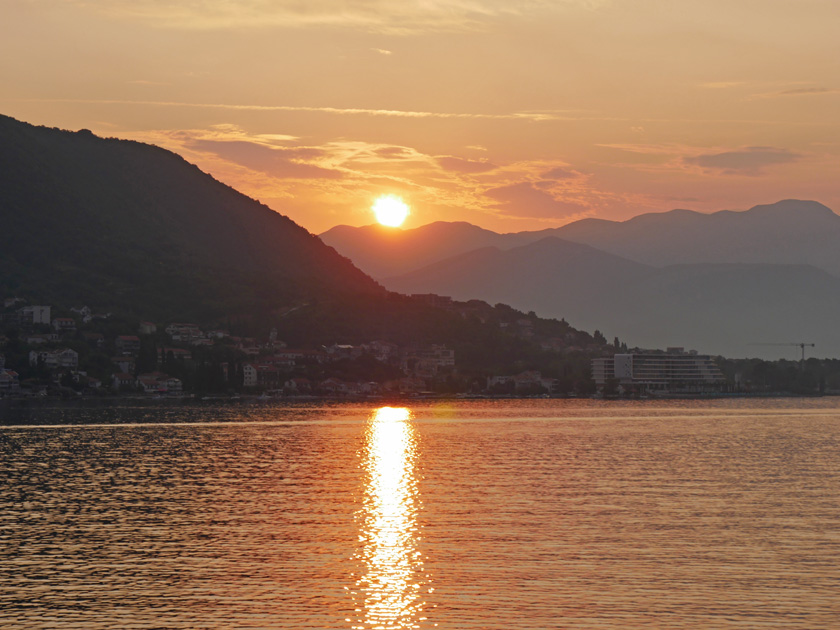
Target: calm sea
(504, 514)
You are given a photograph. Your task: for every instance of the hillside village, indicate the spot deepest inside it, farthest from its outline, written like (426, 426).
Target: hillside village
(76, 351)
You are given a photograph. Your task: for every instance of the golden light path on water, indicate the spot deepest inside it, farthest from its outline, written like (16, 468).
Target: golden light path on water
(390, 591)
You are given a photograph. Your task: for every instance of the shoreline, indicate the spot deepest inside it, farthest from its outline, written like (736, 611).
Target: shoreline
(22, 401)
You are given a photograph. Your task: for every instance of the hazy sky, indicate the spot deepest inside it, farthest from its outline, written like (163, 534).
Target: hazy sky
(511, 115)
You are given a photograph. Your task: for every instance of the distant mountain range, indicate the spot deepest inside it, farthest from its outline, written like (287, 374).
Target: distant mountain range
(719, 283)
(788, 232)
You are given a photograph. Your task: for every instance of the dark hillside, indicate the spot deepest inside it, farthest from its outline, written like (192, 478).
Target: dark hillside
(129, 226)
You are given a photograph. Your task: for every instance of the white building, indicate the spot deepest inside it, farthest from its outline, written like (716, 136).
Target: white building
(34, 315)
(249, 374)
(62, 358)
(664, 371)
(184, 332)
(147, 328)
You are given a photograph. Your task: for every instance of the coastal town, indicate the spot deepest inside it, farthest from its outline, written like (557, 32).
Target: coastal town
(80, 352)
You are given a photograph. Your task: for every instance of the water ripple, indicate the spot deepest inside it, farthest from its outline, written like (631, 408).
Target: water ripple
(471, 515)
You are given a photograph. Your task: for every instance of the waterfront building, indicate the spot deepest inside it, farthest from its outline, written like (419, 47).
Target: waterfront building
(674, 370)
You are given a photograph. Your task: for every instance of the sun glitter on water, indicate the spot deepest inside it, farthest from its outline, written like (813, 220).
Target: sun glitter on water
(390, 210)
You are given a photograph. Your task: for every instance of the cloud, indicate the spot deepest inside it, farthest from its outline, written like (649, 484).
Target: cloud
(395, 153)
(524, 199)
(346, 111)
(462, 165)
(283, 163)
(560, 173)
(648, 149)
(807, 91)
(798, 91)
(382, 51)
(747, 161)
(721, 85)
(145, 82)
(404, 17)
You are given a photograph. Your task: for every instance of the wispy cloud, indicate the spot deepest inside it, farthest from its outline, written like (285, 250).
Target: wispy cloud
(560, 173)
(283, 163)
(145, 82)
(750, 160)
(404, 17)
(649, 149)
(805, 91)
(343, 111)
(721, 85)
(746, 161)
(462, 165)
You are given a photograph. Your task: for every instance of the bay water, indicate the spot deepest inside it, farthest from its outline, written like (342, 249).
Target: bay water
(514, 514)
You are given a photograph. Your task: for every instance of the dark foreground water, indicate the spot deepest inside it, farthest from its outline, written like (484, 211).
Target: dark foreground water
(500, 515)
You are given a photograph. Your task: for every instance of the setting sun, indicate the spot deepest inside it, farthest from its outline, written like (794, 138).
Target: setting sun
(390, 210)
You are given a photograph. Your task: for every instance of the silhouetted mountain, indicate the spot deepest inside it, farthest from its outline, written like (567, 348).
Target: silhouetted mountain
(119, 224)
(132, 228)
(716, 308)
(383, 251)
(787, 232)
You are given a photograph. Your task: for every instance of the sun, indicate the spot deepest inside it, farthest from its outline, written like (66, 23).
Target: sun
(390, 210)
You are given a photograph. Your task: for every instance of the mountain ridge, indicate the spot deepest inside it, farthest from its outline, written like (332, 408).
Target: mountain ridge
(789, 231)
(123, 223)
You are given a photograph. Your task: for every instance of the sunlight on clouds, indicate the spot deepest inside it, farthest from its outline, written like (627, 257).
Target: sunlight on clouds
(462, 165)
(323, 182)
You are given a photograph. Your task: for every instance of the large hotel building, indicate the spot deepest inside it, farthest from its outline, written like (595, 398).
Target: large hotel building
(674, 370)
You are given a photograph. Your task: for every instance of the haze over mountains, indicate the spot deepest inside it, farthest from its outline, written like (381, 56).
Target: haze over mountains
(718, 283)
(383, 251)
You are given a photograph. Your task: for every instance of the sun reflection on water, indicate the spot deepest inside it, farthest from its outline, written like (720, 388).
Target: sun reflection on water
(390, 591)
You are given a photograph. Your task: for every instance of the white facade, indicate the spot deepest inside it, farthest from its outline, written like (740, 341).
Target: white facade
(658, 370)
(35, 314)
(65, 358)
(249, 373)
(184, 332)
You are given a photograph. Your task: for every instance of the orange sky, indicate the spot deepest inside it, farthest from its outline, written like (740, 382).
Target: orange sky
(510, 115)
